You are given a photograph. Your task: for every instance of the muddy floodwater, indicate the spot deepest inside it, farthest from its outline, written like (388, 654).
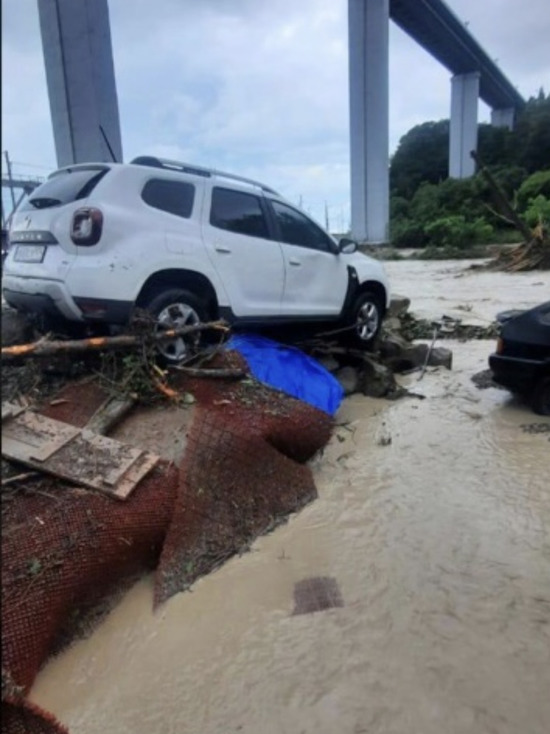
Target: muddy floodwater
(432, 529)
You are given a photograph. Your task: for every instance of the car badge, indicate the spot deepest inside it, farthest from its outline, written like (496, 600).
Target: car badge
(27, 222)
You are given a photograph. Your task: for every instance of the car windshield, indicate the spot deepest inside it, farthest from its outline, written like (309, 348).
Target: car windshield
(64, 188)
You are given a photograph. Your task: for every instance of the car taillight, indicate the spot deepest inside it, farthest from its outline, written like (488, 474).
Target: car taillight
(500, 346)
(86, 226)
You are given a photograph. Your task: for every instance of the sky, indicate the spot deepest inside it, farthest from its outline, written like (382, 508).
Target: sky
(256, 87)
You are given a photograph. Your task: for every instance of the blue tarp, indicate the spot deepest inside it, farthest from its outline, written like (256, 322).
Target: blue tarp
(290, 370)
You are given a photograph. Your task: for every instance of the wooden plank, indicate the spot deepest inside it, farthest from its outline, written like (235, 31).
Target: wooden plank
(11, 410)
(33, 436)
(76, 455)
(135, 474)
(123, 456)
(110, 413)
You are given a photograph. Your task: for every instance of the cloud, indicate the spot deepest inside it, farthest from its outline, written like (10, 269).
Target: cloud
(258, 88)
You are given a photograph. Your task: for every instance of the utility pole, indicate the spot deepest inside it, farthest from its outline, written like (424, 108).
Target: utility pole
(10, 179)
(24, 184)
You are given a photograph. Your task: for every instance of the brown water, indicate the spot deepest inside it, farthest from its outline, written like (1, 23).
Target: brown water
(446, 287)
(439, 542)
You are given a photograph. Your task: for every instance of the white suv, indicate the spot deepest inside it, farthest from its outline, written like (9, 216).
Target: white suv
(186, 243)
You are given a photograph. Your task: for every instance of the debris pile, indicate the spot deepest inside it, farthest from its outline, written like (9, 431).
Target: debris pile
(373, 373)
(533, 254)
(64, 547)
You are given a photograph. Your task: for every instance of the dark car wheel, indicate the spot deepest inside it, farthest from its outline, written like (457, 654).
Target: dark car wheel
(540, 399)
(173, 309)
(366, 318)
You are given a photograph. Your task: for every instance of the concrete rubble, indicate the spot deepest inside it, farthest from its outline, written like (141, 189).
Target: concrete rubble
(373, 373)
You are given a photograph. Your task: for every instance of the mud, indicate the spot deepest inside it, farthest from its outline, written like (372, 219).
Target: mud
(431, 531)
(449, 287)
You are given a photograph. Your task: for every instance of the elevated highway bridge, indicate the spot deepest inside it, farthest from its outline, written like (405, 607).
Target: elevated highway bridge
(84, 106)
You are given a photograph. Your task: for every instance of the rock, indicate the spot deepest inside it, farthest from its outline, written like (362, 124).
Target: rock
(398, 306)
(441, 357)
(16, 328)
(413, 356)
(376, 380)
(392, 324)
(328, 362)
(348, 377)
(392, 346)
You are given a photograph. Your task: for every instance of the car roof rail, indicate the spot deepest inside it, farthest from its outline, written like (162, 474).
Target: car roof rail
(154, 162)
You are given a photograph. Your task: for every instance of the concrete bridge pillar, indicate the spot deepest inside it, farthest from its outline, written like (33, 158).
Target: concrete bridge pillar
(369, 119)
(463, 130)
(503, 118)
(76, 40)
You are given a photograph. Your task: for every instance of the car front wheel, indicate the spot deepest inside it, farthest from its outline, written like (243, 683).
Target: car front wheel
(173, 309)
(366, 320)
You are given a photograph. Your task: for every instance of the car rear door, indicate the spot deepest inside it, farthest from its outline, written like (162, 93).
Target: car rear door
(244, 251)
(316, 276)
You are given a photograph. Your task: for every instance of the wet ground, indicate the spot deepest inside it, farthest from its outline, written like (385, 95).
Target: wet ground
(427, 553)
(449, 287)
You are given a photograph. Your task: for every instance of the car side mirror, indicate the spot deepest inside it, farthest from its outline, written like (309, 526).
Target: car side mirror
(347, 246)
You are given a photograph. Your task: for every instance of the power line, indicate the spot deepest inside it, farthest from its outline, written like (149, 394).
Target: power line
(33, 165)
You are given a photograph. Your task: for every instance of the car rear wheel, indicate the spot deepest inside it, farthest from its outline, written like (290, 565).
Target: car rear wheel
(366, 319)
(174, 309)
(540, 399)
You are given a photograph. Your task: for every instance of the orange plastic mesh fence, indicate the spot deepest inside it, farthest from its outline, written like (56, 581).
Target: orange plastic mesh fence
(242, 473)
(239, 477)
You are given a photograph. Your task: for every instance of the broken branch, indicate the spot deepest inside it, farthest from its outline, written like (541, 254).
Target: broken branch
(501, 199)
(20, 478)
(196, 372)
(45, 348)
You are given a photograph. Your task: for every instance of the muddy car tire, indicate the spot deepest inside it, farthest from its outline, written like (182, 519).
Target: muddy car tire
(175, 308)
(540, 399)
(366, 318)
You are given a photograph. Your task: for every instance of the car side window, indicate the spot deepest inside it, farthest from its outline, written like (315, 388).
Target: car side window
(297, 229)
(174, 197)
(238, 212)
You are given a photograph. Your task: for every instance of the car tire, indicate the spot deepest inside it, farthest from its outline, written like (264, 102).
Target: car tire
(540, 399)
(175, 308)
(366, 318)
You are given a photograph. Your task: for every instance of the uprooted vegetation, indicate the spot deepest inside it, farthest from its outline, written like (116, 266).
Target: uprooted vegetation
(533, 254)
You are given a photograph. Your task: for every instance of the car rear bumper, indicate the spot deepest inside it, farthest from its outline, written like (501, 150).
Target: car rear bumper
(51, 298)
(40, 296)
(516, 373)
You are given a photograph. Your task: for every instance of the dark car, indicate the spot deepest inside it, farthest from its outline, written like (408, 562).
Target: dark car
(521, 362)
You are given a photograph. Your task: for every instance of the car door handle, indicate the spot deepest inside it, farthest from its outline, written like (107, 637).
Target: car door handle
(296, 263)
(223, 250)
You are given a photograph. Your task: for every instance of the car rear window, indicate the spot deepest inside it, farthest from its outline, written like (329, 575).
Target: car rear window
(64, 188)
(174, 197)
(238, 212)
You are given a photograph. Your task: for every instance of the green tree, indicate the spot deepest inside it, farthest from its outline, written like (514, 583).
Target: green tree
(423, 196)
(531, 134)
(538, 184)
(421, 157)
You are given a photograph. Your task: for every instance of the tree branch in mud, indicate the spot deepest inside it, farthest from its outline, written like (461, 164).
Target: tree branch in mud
(534, 252)
(230, 372)
(501, 199)
(47, 348)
